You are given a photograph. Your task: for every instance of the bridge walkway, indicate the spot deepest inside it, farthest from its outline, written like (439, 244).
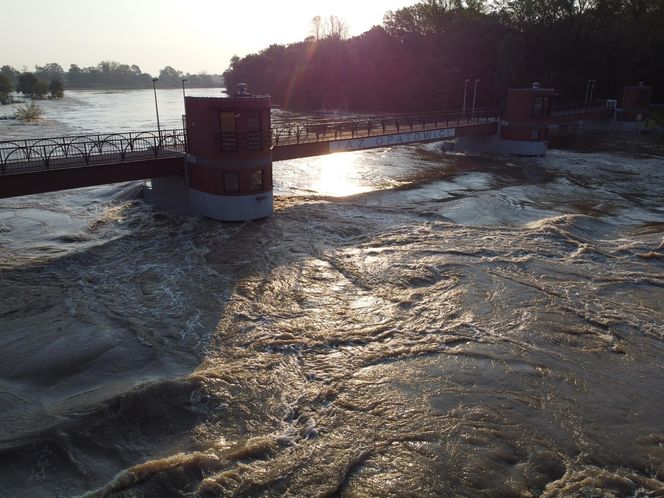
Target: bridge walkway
(48, 164)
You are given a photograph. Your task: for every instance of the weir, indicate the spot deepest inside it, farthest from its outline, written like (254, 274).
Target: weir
(221, 165)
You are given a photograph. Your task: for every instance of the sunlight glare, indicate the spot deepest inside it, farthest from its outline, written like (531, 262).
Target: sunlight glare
(339, 175)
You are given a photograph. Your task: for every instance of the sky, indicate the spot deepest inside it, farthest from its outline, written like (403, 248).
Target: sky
(190, 35)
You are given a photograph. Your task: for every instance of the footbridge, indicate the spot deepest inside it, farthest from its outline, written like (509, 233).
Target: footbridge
(222, 161)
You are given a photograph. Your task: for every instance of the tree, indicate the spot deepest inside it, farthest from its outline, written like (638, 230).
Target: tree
(170, 76)
(335, 27)
(75, 76)
(40, 89)
(56, 88)
(5, 90)
(26, 83)
(11, 74)
(317, 28)
(49, 71)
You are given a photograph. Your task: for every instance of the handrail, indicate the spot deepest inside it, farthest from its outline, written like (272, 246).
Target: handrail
(84, 150)
(306, 131)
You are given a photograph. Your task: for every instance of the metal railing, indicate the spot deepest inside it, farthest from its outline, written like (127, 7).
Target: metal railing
(580, 108)
(318, 130)
(233, 142)
(65, 152)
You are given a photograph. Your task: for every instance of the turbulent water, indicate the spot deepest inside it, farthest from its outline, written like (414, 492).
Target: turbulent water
(408, 323)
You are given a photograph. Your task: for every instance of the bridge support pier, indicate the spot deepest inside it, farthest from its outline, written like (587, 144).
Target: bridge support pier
(524, 129)
(228, 168)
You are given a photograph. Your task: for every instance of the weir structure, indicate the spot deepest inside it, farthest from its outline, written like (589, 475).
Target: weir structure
(220, 166)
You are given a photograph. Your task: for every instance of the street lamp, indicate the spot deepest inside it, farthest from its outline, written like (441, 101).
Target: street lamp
(183, 95)
(472, 114)
(590, 87)
(156, 106)
(184, 100)
(592, 90)
(465, 88)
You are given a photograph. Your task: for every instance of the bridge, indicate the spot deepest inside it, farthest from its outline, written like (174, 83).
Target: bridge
(51, 164)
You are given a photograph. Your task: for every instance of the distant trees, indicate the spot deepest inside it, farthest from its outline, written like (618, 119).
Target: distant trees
(111, 74)
(52, 79)
(421, 56)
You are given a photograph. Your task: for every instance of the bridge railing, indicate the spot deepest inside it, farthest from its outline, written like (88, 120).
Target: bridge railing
(580, 108)
(65, 152)
(317, 130)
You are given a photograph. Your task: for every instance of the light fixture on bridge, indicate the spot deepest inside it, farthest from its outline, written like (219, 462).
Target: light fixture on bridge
(156, 106)
(183, 82)
(472, 114)
(465, 90)
(590, 89)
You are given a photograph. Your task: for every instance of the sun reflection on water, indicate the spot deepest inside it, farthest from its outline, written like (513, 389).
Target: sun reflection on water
(339, 175)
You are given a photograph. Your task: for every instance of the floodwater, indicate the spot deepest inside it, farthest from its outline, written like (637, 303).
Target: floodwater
(409, 323)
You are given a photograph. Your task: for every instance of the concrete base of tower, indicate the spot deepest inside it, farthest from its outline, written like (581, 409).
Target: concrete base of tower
(171, 194)
(168, 194)
(497, 146)
(231, 208)
(614, 125)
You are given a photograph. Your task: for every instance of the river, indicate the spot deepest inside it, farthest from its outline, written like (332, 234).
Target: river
(410, 322)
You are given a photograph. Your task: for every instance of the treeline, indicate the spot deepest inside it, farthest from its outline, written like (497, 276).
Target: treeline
(106, 75)
(422, 55)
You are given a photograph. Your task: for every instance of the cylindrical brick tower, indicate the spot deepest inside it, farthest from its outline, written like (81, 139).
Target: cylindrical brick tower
(523, 129)
(229, 160)
(525, 124)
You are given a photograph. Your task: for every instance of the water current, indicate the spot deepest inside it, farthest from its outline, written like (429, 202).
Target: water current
(410, 322)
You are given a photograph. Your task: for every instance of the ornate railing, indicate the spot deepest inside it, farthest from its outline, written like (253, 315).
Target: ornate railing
(317, 130)
(84, 150)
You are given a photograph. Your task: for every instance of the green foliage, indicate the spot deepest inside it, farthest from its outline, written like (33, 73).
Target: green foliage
(28, 113)
(56, 88)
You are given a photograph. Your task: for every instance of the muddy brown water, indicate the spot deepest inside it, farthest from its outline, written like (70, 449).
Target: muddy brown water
(418, 324)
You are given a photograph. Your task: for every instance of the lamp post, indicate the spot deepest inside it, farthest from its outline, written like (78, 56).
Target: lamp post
(156, 106)
(465, 89)
(592, 90)
(184, 101)
(472, 114)
(590, 87)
